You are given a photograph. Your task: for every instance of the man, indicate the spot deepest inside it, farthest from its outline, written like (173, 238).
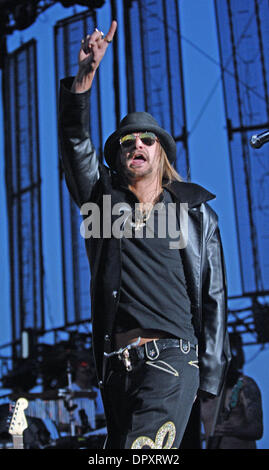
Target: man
(152, 303)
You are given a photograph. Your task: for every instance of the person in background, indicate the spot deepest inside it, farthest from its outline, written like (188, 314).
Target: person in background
(88, 412)
(240, 421)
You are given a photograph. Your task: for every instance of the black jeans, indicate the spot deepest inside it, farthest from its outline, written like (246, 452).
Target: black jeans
(151, 404)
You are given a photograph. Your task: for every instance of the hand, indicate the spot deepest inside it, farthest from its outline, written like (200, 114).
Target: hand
(92, 51)
(94, 46)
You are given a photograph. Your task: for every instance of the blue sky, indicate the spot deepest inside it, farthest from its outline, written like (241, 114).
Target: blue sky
(209, 158)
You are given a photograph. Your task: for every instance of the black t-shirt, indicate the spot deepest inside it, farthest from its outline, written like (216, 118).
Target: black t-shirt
(153, 291)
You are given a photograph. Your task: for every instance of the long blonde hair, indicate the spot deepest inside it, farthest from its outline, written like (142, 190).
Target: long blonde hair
(167, 171)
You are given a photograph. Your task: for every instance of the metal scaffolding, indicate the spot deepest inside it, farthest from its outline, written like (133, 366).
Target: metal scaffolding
(23, 186)
(243, 34)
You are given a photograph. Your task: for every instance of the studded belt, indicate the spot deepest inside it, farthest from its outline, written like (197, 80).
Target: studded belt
(150, 350)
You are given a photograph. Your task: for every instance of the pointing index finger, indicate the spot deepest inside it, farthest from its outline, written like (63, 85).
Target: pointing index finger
(111, 32)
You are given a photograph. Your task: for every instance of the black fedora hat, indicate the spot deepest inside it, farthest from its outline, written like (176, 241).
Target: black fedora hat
(136, 122)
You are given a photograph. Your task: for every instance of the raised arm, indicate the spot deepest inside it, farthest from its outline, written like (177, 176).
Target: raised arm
(80, 162)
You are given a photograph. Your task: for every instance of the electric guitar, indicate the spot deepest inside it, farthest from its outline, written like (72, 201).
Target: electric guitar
(18, 423)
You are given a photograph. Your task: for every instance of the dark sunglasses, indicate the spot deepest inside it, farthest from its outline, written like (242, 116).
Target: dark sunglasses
(128, 140)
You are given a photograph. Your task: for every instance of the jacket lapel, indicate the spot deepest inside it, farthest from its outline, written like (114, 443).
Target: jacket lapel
(192, 193)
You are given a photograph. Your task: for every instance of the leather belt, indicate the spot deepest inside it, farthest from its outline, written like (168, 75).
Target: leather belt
(150, 350)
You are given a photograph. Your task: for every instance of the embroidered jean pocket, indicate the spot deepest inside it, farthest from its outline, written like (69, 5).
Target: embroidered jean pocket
(194, 364)
(164, 366)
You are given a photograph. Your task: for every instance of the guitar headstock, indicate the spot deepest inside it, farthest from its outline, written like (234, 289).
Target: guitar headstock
(18, 421)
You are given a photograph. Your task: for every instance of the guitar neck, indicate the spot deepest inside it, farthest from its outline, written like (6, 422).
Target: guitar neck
(17, 441)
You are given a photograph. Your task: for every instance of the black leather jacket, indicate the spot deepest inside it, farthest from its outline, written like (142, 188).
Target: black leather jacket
(203, 261)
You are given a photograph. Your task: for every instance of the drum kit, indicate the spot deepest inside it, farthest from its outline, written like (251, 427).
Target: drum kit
(64, 413)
